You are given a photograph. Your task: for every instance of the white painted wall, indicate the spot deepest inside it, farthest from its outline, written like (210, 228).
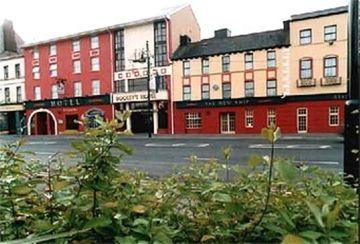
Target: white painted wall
(12, 82)
(135, 39)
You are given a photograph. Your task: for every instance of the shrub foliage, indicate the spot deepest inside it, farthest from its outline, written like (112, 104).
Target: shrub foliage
(95, 201)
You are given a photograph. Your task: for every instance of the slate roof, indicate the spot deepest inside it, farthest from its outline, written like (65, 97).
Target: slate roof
(234, 44)
(320, 13)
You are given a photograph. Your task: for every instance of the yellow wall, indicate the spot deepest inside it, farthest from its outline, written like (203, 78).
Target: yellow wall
(317, 50)
(287, 63)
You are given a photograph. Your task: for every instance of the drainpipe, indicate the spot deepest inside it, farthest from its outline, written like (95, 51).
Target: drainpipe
(112, 73)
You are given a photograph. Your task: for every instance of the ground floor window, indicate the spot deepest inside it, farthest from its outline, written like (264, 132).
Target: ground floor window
(72, 122)
(193, 120)
(249, 118)
(227, 122)
(334, 116)
(302, 120)
(271, 117)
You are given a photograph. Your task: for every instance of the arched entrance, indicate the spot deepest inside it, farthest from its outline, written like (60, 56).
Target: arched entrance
(42, 122)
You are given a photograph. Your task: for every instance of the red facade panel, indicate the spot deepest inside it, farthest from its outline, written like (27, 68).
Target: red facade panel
(286, 117)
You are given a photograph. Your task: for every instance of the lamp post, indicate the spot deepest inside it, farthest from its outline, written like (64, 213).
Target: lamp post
(147, 60)
(351, 130)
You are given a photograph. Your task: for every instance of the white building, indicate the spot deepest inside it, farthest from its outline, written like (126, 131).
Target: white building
(162, 33)
(12, 81)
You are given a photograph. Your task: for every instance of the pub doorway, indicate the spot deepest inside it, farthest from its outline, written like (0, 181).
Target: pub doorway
(139, 122)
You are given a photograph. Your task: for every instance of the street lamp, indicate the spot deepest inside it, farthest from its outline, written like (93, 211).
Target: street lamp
(147, 60)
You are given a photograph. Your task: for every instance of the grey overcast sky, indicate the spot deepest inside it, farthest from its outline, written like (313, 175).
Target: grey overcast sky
(36, 20)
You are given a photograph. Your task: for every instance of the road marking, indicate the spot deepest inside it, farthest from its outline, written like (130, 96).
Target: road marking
(41, 142)
(203, 145)
(284, 146)
(44, 153)
(178, 144)
(200, 158)
(318, 162)
(195, 145)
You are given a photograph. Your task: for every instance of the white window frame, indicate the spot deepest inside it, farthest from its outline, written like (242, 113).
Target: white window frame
(53, 70)
(35, 54)
(186, 68)
(36, 72)
(37, 93)
(249, 118)
(328, 33)
(54, 92)
(300, 115)
(76, 69)
(95, 87)
(305, 39)
(249, 61)
(193, 120)
(52, 49)
(95, 66)
(334, 113)
(75, 46)
(271, 117)
(189, 93)
(77, 89)
(94, 42)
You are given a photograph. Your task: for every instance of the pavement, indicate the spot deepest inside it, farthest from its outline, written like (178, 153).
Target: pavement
(163, 154)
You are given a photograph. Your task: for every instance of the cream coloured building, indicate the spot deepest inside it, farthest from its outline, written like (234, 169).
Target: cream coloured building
(294, 77)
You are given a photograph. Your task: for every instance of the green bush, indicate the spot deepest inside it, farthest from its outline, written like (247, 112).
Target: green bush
(95, 201)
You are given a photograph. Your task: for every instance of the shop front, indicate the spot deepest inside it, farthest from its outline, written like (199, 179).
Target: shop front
(12, 119)
(293, 114)
(68, 115)
(136, 103)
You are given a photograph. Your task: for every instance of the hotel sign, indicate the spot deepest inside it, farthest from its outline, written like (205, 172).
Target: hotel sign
(141, 73)
(138, 96)
(68, 102)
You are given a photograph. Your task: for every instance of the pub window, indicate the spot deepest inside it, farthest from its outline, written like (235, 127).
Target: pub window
(37, 93)
(119, 86)
(35, 53)
(94, 42)
(18, 94)
(95, 65)
(160, 44)
(249, 118)
(271, 117)
(52, 49)
(271, 59)
(17, 71)
(95, 87)
(36, 72)
(6, 72)
(271, 88)
(76, 45)
(76, 66)
(119, 51)
(249, 88)
(193, 120)
(54, 92)
(305, 37)
(330, 66)
(330, 33)
(137, 84)
(53, 70)
(306, 68)
(249, 61)
(205, 91)
(186, 93)
(77, 89)
(205, 65)
(226, 90)
(7, 94)
(334, 116)
(225, 63)
(186, 68)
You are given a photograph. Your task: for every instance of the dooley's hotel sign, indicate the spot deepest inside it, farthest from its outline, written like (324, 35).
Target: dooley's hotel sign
(140, 73)
(138, 96)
